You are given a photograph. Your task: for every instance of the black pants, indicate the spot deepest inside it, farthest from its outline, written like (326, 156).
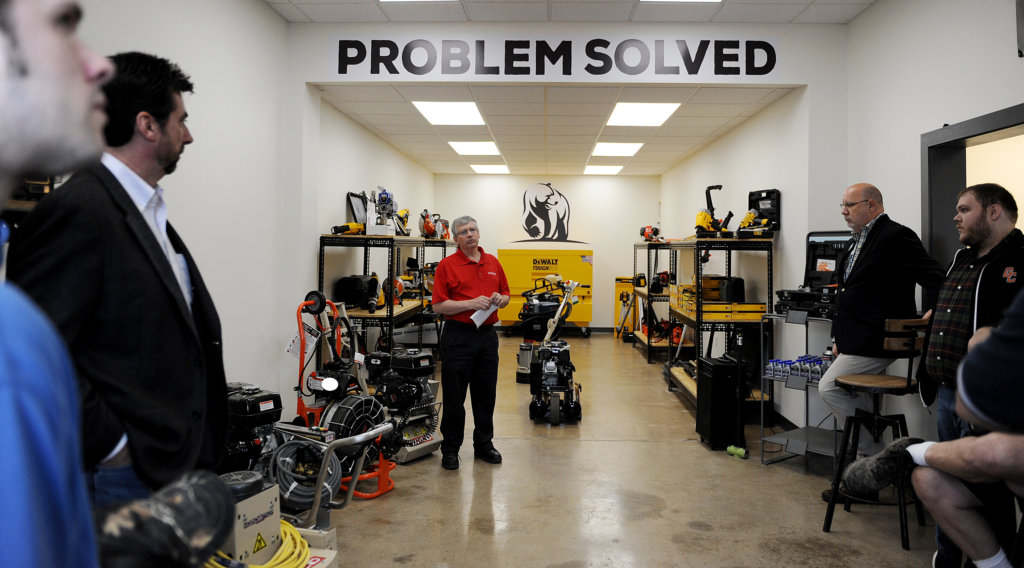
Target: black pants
(469, 360)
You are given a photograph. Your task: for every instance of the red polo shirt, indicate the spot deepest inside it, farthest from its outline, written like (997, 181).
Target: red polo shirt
(459, 278)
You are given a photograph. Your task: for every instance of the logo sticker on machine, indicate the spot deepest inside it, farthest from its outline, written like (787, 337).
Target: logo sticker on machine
(266, 405)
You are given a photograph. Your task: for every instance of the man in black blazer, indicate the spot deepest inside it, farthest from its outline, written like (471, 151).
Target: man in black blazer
(101, 260)
(877, 277)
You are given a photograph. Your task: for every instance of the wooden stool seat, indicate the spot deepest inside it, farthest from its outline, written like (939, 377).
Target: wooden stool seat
(878, 384)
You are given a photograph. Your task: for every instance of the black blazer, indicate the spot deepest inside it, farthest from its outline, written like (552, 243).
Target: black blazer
(147, 366)
(882, 285)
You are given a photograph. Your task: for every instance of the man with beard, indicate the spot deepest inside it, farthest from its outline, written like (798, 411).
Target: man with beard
(101, 259)
(980, 284)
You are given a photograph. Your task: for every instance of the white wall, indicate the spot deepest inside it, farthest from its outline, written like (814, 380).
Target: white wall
(915, 65)
(606, 215)
(351, 159)
(224, 198)
(998, 162)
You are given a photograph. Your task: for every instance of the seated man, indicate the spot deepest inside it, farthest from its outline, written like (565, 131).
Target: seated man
(948, 476)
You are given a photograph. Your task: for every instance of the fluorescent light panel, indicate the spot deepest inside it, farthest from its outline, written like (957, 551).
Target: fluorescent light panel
(601, 170)
(490, 169)
(475, 148)
(616, 148)
(449, 113)
(641, 114)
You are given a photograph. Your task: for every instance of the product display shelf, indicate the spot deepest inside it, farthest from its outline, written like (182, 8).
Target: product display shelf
(697, 248)
(805, 439)
(391, 315)
(650, 250)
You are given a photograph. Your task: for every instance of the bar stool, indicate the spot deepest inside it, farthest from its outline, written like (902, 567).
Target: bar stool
(903, 339)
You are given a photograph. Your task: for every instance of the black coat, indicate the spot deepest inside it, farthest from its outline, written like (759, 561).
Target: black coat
(147, 367)
(882, 285)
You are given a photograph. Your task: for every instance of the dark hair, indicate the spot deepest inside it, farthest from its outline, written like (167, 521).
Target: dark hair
(993, 194)
(143, 83)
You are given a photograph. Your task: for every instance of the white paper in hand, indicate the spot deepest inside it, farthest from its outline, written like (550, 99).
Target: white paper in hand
(480, 316)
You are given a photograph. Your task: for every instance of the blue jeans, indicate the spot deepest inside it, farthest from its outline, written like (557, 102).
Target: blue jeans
(110, 486)
(950, 427)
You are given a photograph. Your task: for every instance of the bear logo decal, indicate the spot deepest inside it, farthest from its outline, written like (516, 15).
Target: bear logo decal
(545, 213)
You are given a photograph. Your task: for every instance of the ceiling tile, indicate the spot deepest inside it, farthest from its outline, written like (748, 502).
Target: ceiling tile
(511, 108)
(830, 13)
(580, 109)
(730, 95)
(509, 94)
(342, 13)
(675, 12)
(507, 11)
(424, 11)
(435, 92)
(291, 13)
(764, 13)
(368, 107)
(384, 93)
(591, 11)
(657, 94)
(583, 94)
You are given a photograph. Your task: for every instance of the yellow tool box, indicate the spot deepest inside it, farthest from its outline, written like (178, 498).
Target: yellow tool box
(524, 266)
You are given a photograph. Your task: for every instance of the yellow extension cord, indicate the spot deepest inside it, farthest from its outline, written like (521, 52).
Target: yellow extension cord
(294, 551)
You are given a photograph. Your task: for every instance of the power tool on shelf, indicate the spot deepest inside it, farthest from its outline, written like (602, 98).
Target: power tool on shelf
(651, 233)
(707, 225)
(349, 229)
(432, 226)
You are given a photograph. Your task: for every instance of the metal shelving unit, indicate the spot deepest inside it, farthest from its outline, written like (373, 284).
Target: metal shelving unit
(392, 315)
(677, 377)
(651, 250)
(805, 439)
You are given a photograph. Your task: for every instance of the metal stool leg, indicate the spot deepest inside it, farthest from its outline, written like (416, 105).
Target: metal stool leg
(838, 473)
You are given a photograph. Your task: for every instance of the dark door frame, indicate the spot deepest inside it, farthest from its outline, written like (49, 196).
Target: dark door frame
(944, 172)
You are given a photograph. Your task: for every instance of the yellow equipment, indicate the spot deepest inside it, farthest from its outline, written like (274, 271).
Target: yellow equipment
(349, 229)
(707, 225)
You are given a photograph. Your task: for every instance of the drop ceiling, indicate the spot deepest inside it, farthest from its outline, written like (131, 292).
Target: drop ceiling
(551, 129)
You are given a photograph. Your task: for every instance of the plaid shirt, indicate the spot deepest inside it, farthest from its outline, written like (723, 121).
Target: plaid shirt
(953, 319)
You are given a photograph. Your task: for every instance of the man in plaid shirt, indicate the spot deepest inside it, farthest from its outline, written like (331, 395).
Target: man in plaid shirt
(980, 284)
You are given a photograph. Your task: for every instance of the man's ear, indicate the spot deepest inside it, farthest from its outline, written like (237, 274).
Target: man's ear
(147, 126)
(995, 211)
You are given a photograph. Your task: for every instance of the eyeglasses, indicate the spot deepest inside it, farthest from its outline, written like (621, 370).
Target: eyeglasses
(845, 205)
(469, 231)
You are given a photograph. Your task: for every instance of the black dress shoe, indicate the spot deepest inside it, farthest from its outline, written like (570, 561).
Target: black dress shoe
(489, 456)
(450, 461)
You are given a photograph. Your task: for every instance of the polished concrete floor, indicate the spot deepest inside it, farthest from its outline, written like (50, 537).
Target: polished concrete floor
(631, 485)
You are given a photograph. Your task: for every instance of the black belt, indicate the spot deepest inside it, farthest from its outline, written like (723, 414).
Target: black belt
(469, 326)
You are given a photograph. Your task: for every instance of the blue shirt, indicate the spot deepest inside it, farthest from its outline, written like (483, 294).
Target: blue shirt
(45, 515)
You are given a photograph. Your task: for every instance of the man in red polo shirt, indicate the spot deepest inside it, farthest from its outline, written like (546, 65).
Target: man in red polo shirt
(466, 283)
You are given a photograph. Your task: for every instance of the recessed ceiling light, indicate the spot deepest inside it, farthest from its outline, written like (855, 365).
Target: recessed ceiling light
(490, 169)
(475, 148)
(616, 148)
(601, 170)
(449, 113)
(641, 114)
